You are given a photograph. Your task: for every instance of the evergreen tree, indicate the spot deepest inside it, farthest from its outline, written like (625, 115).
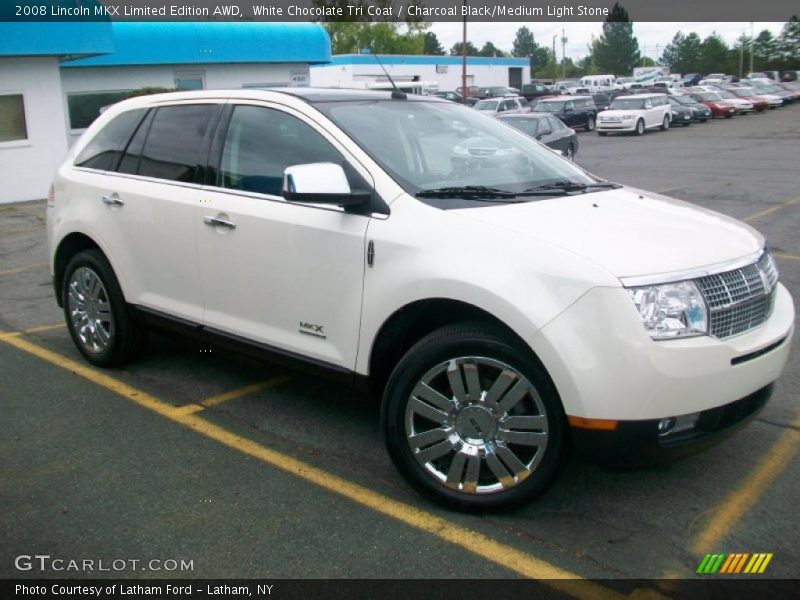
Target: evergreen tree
(617, 50)
(471, 49)
(489, 49)
(432, 45)
(525, 46)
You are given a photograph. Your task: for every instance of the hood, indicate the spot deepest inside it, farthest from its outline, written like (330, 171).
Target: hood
(627, 231)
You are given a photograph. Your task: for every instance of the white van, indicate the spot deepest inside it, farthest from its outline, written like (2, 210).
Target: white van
(598, 83)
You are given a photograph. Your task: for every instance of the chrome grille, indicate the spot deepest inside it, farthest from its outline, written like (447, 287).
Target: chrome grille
(741, 299)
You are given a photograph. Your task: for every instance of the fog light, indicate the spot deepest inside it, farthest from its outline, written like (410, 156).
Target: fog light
(673, 425)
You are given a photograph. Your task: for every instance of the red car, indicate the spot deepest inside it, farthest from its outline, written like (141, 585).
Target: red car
(759, 103)
(719, 106)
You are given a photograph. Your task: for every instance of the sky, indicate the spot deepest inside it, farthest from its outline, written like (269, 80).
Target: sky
(652, 36)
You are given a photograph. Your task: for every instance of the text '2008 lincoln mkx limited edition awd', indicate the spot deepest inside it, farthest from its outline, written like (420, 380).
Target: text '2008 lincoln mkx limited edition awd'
(505, 303)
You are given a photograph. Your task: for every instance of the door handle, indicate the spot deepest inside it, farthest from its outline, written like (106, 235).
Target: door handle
(112, 200)
(217, 222)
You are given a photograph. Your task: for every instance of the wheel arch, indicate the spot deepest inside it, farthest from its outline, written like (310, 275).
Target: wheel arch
(67, 248)
(413, 321)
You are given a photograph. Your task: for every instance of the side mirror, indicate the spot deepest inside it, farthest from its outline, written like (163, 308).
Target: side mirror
(320, 183)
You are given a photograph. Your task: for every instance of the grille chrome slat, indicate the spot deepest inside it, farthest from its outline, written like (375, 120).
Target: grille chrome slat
(741, 299)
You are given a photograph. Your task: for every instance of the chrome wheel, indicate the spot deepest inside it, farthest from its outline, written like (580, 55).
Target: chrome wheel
(476, 425)
(90, 310)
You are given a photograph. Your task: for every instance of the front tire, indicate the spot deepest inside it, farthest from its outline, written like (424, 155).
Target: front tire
(640, 127)
(665, 124)
(590, 123)
(472, 420)
(99, 320)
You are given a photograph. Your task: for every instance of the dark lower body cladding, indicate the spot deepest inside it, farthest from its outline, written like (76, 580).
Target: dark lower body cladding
(638, 443)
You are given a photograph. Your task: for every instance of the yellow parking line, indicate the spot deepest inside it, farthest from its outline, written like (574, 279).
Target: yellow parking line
(41, 328)
(785, 256)
(467, 539)
(23, 269)
(731, 510)
(771, 210)
(243, 391)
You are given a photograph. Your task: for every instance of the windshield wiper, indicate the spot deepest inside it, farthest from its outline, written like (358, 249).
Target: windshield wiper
(466, 191)
(566, 187)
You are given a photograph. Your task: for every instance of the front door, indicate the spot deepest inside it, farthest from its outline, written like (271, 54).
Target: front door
(283, 274)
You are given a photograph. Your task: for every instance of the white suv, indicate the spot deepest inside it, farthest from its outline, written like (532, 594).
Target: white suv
(504, 302)
(635, 113)
(504, 105)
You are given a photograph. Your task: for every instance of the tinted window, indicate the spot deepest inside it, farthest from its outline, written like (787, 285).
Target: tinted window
(529, 126)
(544, 127)
(104, 150)
(175, 142)
(262, 142)
(12, 118)
(556, 124)
(133, 153)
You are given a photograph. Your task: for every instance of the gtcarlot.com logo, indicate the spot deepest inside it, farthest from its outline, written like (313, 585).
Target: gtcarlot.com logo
(734, 563)
(45, 562)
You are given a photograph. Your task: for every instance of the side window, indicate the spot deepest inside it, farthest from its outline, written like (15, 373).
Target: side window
(523, 102)
(261, 142)
(570, 105)
(556, 124)
(104, 150)
(544, 127)
(175, 142)
(133, 153)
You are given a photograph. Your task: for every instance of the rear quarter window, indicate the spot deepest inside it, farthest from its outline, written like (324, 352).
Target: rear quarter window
(105, 148)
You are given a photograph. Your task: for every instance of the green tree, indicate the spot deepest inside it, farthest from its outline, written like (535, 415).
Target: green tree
(617, 49)
(432, 46)
(766, 52)
(471, 49)
(683, 54)
(525, 46)
(715, 55)
(789, 45)
(489, 49)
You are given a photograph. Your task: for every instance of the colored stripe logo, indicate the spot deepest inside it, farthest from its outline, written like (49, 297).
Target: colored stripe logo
(734, 563)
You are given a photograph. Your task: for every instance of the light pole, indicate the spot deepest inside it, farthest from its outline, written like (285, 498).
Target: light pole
(563, 55)
(464, 57)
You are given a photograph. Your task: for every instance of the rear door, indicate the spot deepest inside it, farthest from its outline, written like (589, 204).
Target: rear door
(147, 206)
(283, 274)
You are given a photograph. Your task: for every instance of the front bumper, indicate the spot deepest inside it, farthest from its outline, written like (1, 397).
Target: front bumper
(638, 443)
(616, 125)
(605, 366)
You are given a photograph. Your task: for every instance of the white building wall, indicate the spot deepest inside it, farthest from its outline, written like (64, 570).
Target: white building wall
(216, 76)
(27, 166)
(355, 76)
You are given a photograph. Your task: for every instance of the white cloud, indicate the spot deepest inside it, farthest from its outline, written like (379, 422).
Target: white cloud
(651, 36)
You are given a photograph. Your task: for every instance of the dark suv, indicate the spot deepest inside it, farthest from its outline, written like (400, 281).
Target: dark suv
(535, 90)
(574, 111)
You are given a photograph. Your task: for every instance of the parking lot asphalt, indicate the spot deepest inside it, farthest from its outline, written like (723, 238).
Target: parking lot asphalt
(249, 470)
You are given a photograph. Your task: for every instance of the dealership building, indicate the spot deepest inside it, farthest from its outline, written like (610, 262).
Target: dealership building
(55, 78)
(364, 71)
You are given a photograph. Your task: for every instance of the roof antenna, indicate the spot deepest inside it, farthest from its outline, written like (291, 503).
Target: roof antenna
(397, 94)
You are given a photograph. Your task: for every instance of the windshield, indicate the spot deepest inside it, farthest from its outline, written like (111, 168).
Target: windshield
(683, 100)
(727, 95)
(550, 106)
(430, 145)
(708, 96)
(627, 104)
(486, 105)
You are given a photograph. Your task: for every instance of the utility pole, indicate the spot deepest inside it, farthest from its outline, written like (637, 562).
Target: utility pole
(658, 62)
(464, 57)
(752, 43)
(563, 54)
(741, 56)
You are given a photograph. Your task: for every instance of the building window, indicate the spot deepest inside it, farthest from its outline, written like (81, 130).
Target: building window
(190, 81)
(12, 118)
(85, 108)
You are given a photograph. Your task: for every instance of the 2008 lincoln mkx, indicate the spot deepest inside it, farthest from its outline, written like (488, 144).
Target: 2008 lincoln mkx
(505, 303)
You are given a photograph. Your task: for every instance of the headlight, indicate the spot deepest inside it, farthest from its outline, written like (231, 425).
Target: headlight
(627, 117)
(671, 310)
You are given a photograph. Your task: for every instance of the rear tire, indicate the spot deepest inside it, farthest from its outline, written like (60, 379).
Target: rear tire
(453, 405)
(100, 322)
(665, 124)
(590, 123)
